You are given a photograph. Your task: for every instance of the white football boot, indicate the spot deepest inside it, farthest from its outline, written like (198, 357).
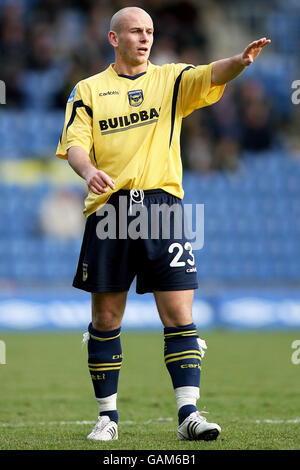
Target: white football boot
(196, 428)
(104, 430)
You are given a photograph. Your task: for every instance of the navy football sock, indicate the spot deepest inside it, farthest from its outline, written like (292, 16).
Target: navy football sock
(112, 414)
(104, 361)
(185, 411)
(183, 360)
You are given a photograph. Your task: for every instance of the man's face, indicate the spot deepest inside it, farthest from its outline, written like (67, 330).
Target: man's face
(135, 38)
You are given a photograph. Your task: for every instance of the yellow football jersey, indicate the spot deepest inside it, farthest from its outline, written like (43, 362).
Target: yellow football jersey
(130, 126)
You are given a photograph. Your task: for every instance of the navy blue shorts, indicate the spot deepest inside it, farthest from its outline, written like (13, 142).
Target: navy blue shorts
(149, 242)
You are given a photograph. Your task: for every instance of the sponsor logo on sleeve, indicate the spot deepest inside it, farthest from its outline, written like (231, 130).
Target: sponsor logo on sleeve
(72, 95)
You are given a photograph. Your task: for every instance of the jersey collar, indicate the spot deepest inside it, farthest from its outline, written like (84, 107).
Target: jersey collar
(131, 77)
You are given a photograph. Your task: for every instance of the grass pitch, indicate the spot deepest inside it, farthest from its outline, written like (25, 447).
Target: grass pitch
(248, 384)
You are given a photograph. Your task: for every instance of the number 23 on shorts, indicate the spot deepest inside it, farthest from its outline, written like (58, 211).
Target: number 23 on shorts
(178, 249)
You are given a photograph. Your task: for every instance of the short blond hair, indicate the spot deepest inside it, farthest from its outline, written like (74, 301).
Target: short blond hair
(115, 22)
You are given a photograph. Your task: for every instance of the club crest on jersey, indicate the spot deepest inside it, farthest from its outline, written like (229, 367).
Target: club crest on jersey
(135, 97)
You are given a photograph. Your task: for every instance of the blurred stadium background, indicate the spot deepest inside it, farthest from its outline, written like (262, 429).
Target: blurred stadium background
(241, 159)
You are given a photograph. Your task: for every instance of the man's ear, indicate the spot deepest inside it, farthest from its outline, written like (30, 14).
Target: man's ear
(113, 38)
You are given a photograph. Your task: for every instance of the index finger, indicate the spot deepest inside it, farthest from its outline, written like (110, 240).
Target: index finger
(107, 179)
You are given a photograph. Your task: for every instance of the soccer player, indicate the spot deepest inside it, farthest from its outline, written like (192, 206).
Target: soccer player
(122, 136)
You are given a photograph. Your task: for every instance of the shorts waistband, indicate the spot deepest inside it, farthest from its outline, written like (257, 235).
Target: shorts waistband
(126, 192)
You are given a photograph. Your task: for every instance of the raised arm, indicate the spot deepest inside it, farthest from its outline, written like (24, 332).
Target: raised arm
(80, 162)
(227, 69)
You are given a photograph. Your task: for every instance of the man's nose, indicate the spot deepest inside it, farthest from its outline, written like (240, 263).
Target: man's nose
(144, 36)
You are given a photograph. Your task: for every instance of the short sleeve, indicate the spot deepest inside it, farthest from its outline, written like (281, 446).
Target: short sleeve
(196, 90)
(78, 125)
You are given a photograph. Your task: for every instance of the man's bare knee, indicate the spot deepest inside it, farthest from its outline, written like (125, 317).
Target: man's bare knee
(107, 310)
(175, 307)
